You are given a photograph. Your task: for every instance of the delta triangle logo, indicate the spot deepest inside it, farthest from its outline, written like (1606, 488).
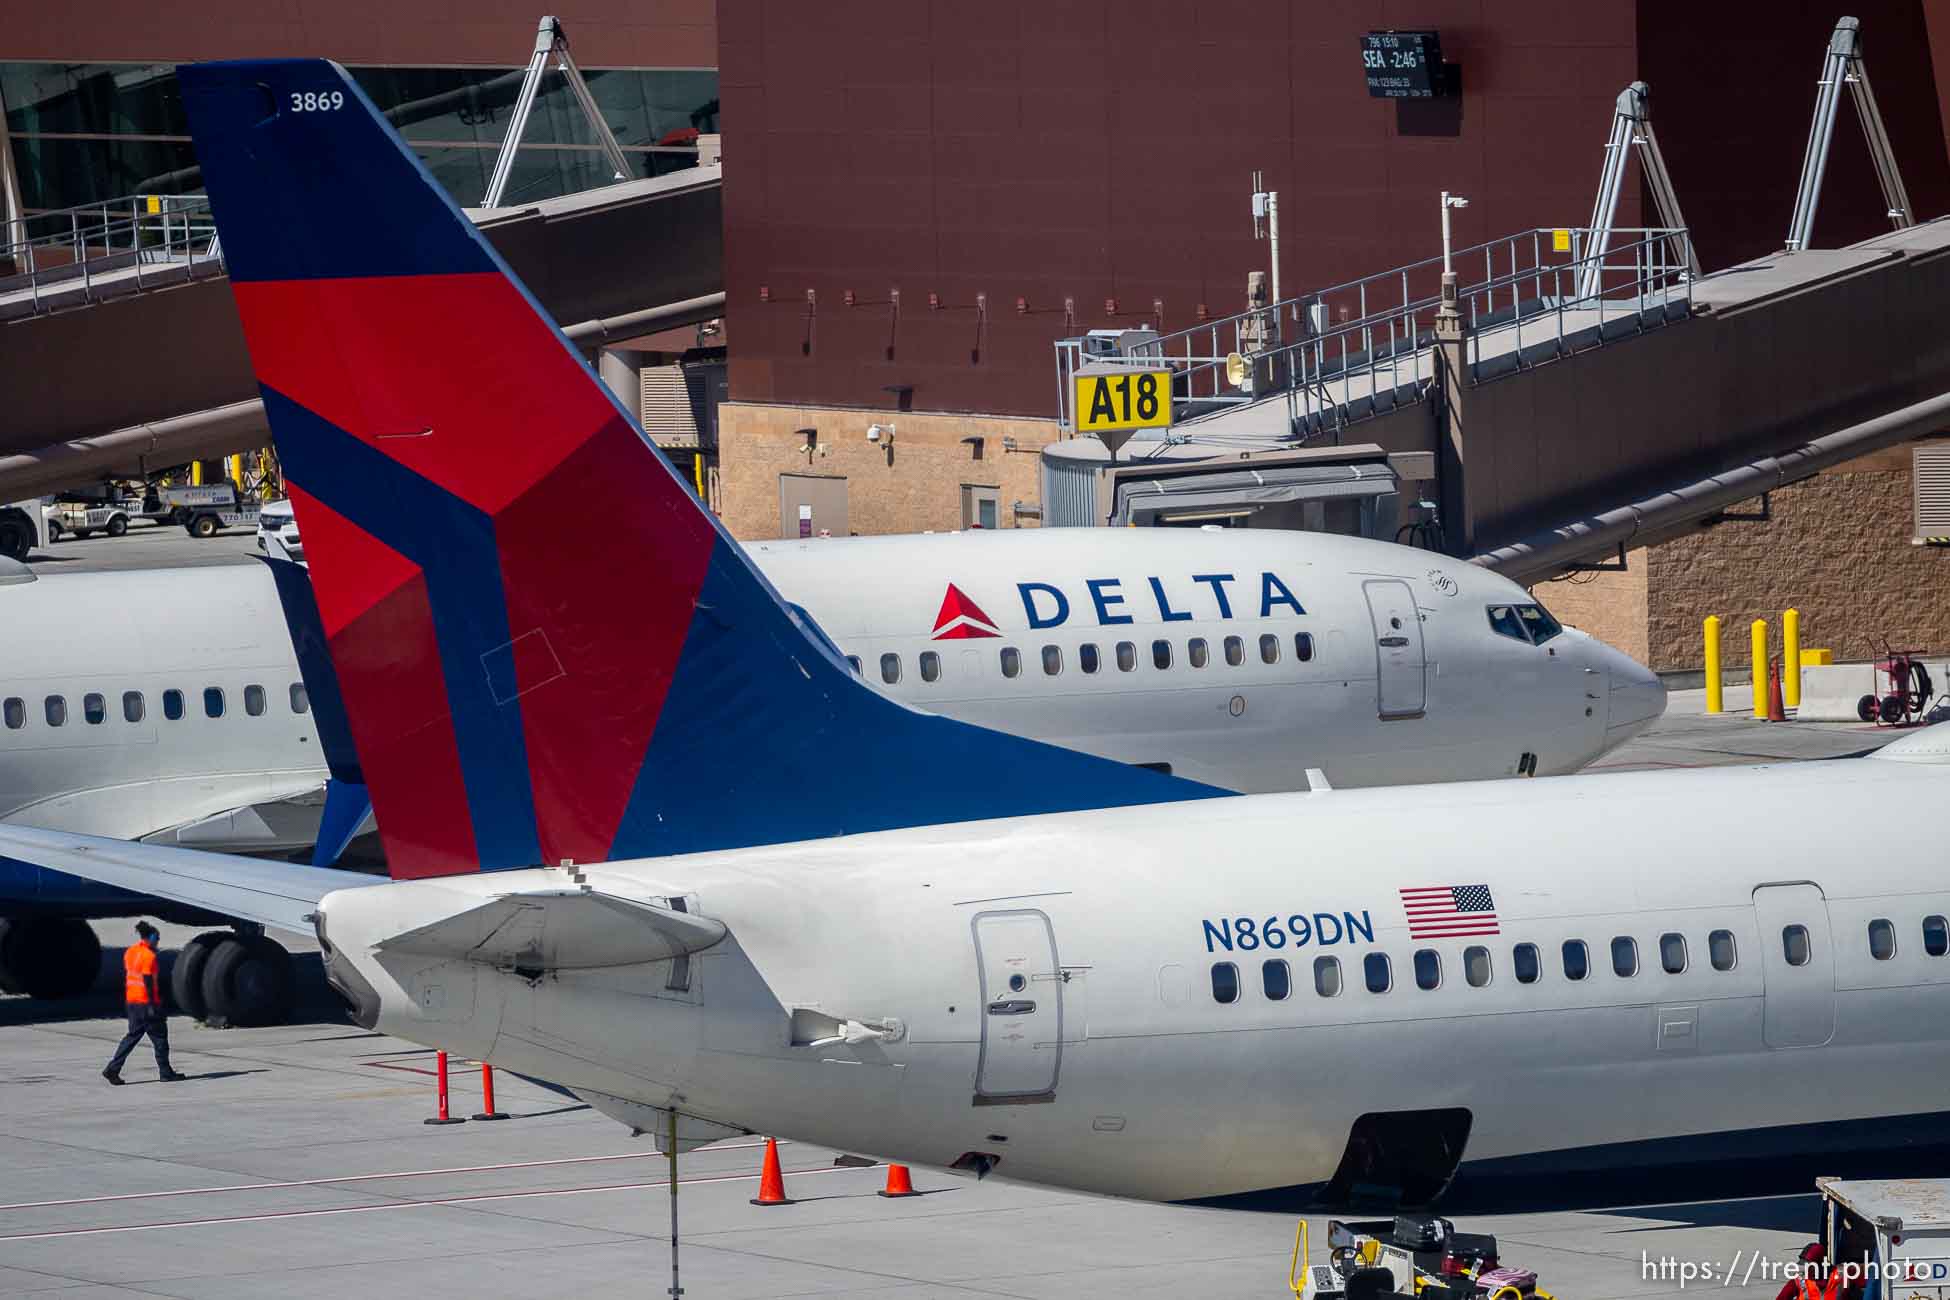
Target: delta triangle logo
(961, 619)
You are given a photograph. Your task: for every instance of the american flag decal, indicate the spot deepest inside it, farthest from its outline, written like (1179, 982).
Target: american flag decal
(1449, 911)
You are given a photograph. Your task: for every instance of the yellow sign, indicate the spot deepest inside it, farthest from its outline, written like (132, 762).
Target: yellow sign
(155, 204)
(1560, 241)
(1123, 399)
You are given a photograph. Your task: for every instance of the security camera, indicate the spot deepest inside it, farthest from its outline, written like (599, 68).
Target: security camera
(880, 434)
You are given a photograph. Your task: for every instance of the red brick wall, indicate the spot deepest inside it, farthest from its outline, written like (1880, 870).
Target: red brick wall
(1047, 149)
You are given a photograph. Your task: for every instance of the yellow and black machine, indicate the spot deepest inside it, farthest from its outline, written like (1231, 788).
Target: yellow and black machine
(1417, 1256)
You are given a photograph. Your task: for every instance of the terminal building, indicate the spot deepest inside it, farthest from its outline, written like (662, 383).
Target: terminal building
(932, 212)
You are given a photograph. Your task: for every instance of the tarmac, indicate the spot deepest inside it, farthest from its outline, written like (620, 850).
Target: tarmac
(294, 1162)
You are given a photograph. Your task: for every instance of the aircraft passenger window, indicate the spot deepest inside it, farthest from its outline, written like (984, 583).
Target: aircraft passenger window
(1011, 661)
(1303, 647)
(930, 666)
(1720, 949)
(1276, 979)
(1624, 957)
(1542, 626)
(173, 705)
(1504, 622)
(1672, 953)
(132, 706)
(1235, 652)
(1225, 982)
(855, 661)
(1476, 966)
(890, 668)
(1269, 648)
(1327, 976)
(94, 709)
(254, 701)
(1126, 656)
(1380, 978)
(1087, 658)
(15, 710)
(213, 701)
(1052, 660)
(1524, 961)
(1936, 930)
(1195, 652)
(300, 701)
(1794, 945)
(1882, 940)
(1161, 655)
(1577, 959)
(1428, 968)
(56, 709)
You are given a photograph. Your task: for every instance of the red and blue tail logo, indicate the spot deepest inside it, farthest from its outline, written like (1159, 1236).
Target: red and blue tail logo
(523, 685)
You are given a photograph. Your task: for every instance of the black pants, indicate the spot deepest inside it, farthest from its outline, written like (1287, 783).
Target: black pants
(144, 1018)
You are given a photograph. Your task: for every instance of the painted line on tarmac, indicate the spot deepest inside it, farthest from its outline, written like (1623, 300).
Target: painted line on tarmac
(363, 1178)
(433, 1202)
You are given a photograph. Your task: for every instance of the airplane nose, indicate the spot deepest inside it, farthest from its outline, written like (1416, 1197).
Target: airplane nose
(1637, 697)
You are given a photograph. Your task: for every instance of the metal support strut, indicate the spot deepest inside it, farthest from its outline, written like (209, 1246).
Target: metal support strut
(1631, 127)
(1843, 65)
(551, 42)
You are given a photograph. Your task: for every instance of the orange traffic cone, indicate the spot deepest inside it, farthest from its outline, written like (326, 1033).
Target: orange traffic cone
(771, 1181)
(1775, 711)
(898, 1183)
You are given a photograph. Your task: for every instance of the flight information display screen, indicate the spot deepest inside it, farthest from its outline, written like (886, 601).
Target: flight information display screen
(1403, 65)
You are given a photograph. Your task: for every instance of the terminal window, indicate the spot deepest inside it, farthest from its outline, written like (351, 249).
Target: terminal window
(89, 132)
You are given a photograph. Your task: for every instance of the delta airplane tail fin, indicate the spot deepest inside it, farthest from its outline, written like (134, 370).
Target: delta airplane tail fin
(347, 801)
(548, 650)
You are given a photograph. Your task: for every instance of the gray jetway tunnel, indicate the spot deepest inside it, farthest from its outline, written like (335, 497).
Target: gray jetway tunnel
(163, 376)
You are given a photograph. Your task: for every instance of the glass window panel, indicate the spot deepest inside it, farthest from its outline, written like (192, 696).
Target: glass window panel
(930, 666)
(173, 705)
(94, 708)
(890, 668)
(1052, 660)
(1577, 959)
(1087, 657)
(1476, 966)
(1011, 661)
(254, 701)
(1126, 656)
(1327, 976)
(1195, 652)
(1672, 953)
(1524, 961)
(1269, 648)
(1428, 968)
(132, 706)
(1882, 939)
(88, 98)
(1235, 651)
(1542, 626)
(1161, 654)
(1225, 982)
(213, 701)
(1504, 622)
(1625, 956)
(1936, 929)
(1303, 646)
(1794, 945)
(1375, 967)
(55, 709)
(1720, 949)
(1276, 978)
(15, 711)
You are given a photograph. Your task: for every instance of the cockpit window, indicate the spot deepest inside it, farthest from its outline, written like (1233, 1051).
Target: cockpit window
(1538, 619)
(1531, 623)
(1504, 622)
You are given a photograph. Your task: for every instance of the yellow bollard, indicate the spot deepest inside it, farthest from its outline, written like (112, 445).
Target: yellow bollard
(1713, 700)
(1791, 659)
(1760, 668)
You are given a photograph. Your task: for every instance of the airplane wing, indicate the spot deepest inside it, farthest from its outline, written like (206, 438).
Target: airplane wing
(279, 894)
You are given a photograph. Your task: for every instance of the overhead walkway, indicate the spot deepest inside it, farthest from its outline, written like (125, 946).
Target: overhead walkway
(1577, 423)
(119, 343)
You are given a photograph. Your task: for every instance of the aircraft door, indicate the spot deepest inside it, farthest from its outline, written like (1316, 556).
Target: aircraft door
(1797, 963)
(1022, 1008)
(1401, 683)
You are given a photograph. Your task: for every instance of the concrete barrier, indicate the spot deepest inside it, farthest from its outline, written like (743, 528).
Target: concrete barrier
(1829, 692)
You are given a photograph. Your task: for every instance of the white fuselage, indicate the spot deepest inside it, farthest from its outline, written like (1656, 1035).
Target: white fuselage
(1486, 700)
(1127, 1075)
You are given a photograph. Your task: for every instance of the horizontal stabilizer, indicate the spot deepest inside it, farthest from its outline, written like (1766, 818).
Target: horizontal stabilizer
(567, 929)
(280, 894)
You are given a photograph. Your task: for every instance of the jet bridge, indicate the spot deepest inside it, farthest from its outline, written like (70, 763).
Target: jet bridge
(1595, 391)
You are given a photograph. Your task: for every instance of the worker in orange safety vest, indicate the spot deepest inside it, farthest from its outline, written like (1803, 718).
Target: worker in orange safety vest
(142, 991)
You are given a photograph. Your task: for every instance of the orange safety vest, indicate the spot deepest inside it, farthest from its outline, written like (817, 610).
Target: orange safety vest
(139, 961)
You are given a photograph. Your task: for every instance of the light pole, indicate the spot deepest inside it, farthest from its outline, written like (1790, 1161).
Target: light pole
(1449, 201)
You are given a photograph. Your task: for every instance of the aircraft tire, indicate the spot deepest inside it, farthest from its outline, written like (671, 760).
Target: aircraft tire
(51, 958)
(248, 982)
(9, 981)
(186, 976)
(16, 539)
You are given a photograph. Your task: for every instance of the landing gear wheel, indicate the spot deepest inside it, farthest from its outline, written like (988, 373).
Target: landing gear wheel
(1866, 708)
(247, 982)
(9, 944)
(186, 977)
(43, 958)
(117, 526)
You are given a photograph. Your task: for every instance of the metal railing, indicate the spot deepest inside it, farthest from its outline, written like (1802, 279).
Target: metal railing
(82, 254)
(1366, 341)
